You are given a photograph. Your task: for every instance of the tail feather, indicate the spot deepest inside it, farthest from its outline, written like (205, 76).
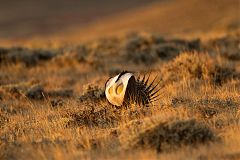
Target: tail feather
(146, 82)
(146, 93)
(150, 85)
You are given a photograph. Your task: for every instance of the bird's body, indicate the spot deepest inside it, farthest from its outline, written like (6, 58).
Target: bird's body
(124, 89)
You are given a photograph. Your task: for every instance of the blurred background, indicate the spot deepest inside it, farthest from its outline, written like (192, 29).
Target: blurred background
(79, 20)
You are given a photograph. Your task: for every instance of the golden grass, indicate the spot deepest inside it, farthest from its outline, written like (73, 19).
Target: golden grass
(170, 18)
(197, 115)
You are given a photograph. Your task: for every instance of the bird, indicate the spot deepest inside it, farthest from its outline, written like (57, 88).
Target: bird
(125, 89)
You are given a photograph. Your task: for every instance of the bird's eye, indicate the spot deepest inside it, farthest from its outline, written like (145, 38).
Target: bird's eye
(110, 90)
(119, 88)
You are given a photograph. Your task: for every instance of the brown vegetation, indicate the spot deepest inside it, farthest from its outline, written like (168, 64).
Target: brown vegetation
(53, 104)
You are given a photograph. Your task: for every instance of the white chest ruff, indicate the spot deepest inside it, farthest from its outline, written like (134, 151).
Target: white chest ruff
(116, 88)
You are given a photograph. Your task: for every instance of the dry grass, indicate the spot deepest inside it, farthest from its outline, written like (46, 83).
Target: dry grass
(169, 18)
(55, 108)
